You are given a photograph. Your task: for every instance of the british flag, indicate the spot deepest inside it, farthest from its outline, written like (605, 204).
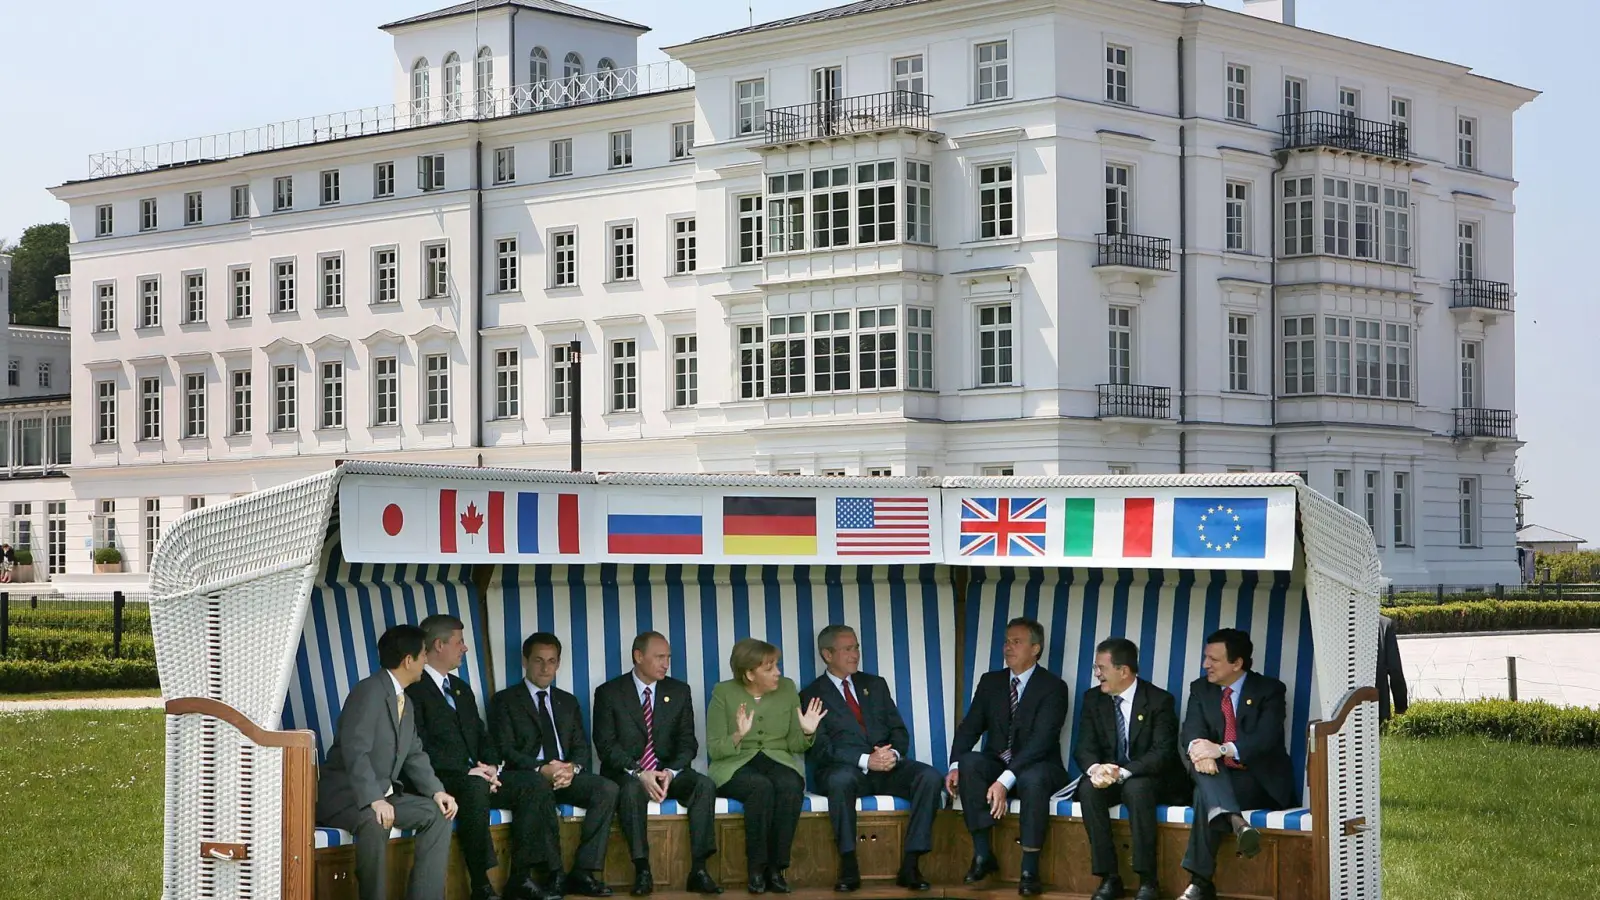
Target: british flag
(1003, 526)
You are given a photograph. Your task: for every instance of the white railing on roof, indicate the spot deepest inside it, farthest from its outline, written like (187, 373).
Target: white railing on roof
(594, 87)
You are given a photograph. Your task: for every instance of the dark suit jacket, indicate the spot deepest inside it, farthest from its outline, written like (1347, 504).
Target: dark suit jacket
(1152, 734)
(841, 740)
(456, 739)
(372, 749)
(514, 725)
(1263, 707)
(619, 724)
(1391, 673)
(1041, 712)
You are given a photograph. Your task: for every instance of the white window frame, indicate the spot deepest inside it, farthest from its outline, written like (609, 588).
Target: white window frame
(919, 202)
(383, 179)
(572, 65)
(149, 301)
(563, 243)
(436, 270)
(283, 193)
(285, 286)
(1372, 509)
(240, 401)
(507, 265)
(194, 210)
(1470, 381)
(505, 165)
(44, 373)
(682, 140)
(1349, 102)
(750, 230)
(1119, 197)
(878, 349)
(149, 215)
(385, 391)
(560, 379)
(150, 391)
(430, 172)
(450, 82)
(1299, 335)
(239, 291)
(622, 252)
(105, 297)
(1294, 95)
(750, 360)
(436, 380)
(1468, 262)
(1002, 470)
(1236, 219)
(919, 348)
(685, 371)
(685, 245)
(1467, 143)
(908, 73)
(421, 91)
(991, 71)
(152, 527)
(1001, 334)
(105, 396)
(330, 280)
(331, 380)
(194, 405)
(331, 190)
(1121, 345)
(1002, 185)
(285, 399)
(1341, 487)
(507, 383)
(1400, 118)
(1400, 508)
(877, 202)
(621, 144)
(750, 106)
(560, 157)
(104, 220)
(787, 224)
(1299, 206)
(386, 274)
(1469, 502)
(1237, 97)
(623, 366)
(1119, 74)
(239, 202)
(1241, 330)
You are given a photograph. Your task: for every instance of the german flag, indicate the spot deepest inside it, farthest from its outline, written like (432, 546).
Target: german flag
(769, 526)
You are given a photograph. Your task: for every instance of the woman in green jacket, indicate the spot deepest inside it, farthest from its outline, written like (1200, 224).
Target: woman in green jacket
(755, 735)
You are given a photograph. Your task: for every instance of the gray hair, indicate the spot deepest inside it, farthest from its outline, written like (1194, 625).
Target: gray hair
(830, 634)
(439, 628)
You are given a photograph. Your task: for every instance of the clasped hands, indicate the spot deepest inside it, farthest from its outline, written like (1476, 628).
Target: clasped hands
(560, 773)
(1104, 775)
(385, 810)
(488, 773)
(882, 759)
(655, 783)
(1204, 755)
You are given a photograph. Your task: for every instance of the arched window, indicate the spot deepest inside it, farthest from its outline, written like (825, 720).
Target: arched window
(538, 66)
(607, 70)
(572, 66)
(419, 89)
(452, 86)
(484, 82)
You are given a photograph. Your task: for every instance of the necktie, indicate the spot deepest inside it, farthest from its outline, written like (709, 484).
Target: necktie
(855, 708)
(1122, 734)
(400, 701)
(1230, 726)
(648, 761)
(547, 726)
(1011, 729)
(449, 693)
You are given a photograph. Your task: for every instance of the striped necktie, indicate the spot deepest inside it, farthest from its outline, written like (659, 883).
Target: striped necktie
(1011, 731)
(648, 762)
(1122, 734)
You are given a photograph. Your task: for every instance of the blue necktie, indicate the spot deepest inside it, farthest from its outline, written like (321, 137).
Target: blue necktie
(449, 693)
(1122, 734)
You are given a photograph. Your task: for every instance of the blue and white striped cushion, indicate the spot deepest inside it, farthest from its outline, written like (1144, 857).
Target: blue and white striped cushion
(1280, 820)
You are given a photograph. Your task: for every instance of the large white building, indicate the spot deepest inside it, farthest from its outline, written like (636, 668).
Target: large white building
(897, 236)
(35, 435)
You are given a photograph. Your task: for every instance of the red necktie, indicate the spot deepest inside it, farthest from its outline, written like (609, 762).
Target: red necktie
(850, 701)
(1230, 726)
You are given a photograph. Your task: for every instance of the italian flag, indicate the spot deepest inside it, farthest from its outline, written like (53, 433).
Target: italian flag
(1100, 527)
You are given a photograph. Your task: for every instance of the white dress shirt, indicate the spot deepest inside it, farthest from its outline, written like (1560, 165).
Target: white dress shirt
(1238, 692)
(839, 683)
(442, 679)
(639, 688)
(550, 704)
(1126, 700)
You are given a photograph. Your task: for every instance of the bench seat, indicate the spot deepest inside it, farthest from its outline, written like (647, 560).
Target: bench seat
(1298, 819)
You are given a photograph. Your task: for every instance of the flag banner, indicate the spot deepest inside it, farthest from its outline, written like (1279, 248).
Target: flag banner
(769, 526)
(399, 520)
(883, 526)
(664, 524)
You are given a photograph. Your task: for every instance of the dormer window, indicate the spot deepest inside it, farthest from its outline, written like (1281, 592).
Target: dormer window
(572, 67)
(452, 86)
(419, 89)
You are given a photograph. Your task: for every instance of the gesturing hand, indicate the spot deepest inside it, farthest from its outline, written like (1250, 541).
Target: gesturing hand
(385, 812)
(811, 716)
(447, 804)
(744, 720)
(997, 801)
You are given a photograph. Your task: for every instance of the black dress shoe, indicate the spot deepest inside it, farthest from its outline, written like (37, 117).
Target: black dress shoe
(643, 884)
(555, 885)
(1248, 838)
(982, 867)
(911, 879)
(701, 882)
(757, 883)
(1199, 891)
(1030, 886)
(1148, 890)
(776, 883)
(846, 885)
(484, 892)
(1110, 888)
(584, 883)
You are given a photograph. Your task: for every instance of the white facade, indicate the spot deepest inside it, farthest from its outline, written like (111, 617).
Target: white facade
(950, 295)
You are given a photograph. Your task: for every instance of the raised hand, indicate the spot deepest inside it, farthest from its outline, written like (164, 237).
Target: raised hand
(744, 721)
(811, 716)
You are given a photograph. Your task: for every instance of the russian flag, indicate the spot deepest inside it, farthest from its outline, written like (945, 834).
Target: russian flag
(501, 522)
(655, 523)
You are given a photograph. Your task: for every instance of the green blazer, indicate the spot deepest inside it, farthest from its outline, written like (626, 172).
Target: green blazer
(776, 731)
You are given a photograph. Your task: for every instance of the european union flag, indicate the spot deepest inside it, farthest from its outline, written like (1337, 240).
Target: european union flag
(1219, 528)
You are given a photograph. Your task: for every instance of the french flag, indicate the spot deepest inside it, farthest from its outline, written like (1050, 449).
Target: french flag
(500, 522)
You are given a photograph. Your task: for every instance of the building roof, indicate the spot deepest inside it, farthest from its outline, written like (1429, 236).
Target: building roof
(1538, 534)
(553, 7)
(37, 400)
(821, 15)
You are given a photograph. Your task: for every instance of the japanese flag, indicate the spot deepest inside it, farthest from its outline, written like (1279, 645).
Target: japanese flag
(395, 519)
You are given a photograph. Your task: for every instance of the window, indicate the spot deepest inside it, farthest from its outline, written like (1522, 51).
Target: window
(436, 270)
(13, 376)
(1379, 353)
(1402, 509)
(751, 98)
(1370, 504)
(437, 369)
(1365, 197)
(44, 373)
(149, 303)
(538, 66)
(1467, 492)
(786, 212)
(1238, 99)
(507, 276)
(1471, 379)
(623, 254)
(561, 157)
(572, 66)
(1466, 250)
(684, 253)
(383, 180)
(507, 384)
(430, 172)
(147, 215)
(239, 279)
(330, 187)
(386, 390)
(1299, 216)
(1236, 217)
(750, 246)
(1336, 342)
(1005, 471)
(830, 352)
(880, 472)
(505, 165)
(877, 343)
(876, 202)
(1466, 142)
(1368, 346)
(240, 388)
(830, 207)
(282, 193)
(194, 405)
(332, 281)
(908, 78)
(194, 297)
(283, 278)
(1341, 487)
(560, 379)
(624, 376)
(1239, 353)
(1117, 199)
(1397, 361)
(239, 202)
(56, 522)
(1400, 118)
(333, 394)
(827, 87)
(786, 355)
(102, 220)
(752, 362)
(564, 258)
(1397, 226)
(419, 90)
(919, 348)
(919, 202)
(483, 80)
(194, 503)
(1300, 355)
(1294, 96)
(452, 86)
(1118, 65)
(993, 71)
(284, 401)
(995, 343)
(1349, 103)
(682, 140)
(621, 149)
(385, 275)
(150, 409)
(685, 370)
(1335, 217)
(1120, 337)
(106, 524)
(996, 203)
(105, 398)
(152, 527)
(193, 208)
(105, 307)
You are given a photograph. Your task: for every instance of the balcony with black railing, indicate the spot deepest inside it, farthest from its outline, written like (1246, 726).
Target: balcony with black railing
(1475, 293)
(849, 115)
(1488, 423)
(1340, 131)
(1134, 251)
(1135, 401)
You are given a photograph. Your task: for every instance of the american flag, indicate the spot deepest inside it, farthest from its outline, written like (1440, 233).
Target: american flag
(882, 526)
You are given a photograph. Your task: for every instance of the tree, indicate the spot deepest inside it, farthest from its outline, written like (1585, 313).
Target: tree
(36, 260)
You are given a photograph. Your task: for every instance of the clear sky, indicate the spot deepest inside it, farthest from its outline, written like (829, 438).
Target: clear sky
(93, 75)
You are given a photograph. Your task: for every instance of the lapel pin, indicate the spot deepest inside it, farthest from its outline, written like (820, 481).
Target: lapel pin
(1248, 702)
(863, 692)
(1141, 717)
(666, 699)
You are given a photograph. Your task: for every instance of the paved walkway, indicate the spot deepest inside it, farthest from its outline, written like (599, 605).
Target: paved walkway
(82, 703)
(1561, 667)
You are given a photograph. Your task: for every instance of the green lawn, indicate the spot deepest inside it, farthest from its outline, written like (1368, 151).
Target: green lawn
(74, 695)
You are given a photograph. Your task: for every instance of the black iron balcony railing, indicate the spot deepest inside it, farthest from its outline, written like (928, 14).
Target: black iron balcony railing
(849, 115)
(1320, 128)
(1135, 401)
(1474, 422)
(1140, 251)
(1482, 294)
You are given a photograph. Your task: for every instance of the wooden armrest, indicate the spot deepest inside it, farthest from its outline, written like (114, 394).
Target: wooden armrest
(1352, 699)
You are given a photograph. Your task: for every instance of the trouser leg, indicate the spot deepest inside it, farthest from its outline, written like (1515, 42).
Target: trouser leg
(754, 790)
(699, 794)
(843, 785)
(1096, 804)
(473, 802)
(430, 859)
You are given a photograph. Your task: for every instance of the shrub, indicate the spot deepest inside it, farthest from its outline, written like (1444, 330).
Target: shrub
(63, 645)
(1534, 722)
(106, 556)
(24, 557)
(27, 676)
(1494, 615)
(1569, 568)
(135, 618)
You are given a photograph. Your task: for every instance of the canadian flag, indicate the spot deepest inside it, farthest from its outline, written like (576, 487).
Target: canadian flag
(495, 523)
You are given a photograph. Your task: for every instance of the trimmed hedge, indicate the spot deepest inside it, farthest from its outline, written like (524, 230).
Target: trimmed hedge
(28, 676)
(135, 619)
(1494, 615)
(1534, 722)
(63, 645)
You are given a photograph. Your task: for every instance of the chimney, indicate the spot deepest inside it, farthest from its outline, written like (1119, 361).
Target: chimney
(1275, 10)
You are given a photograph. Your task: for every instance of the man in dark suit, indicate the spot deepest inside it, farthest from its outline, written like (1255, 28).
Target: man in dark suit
(468, 765)
(1019, 711)
(360, 788)
(539, 729)
(1128, 751)
(1391, 672)
(644, 730)
(1233, 746)
(862, 748)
